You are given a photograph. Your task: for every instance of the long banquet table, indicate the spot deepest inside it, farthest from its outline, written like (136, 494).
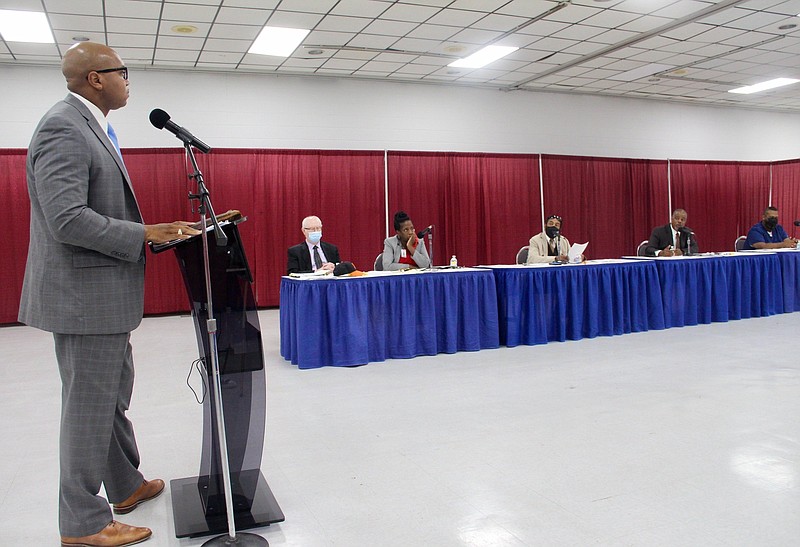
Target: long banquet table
(711, 288)
(543, 303)
(790, 270)
(350, 321)
(790, 276)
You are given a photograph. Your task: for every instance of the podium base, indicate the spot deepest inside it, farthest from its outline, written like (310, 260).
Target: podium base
(241, 540)
(191, 521)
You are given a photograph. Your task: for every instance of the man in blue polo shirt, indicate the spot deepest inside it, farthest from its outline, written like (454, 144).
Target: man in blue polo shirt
(768, 234)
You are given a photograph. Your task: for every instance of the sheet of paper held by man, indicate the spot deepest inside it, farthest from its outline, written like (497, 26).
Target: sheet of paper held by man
(576, 252)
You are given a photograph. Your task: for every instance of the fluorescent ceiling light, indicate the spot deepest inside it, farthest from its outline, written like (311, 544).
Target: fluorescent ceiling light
(278, 41)
(763, 86)
(483, 57)
(25, 26)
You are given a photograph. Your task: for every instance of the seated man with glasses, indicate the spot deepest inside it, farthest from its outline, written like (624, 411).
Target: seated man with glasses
(313, 254)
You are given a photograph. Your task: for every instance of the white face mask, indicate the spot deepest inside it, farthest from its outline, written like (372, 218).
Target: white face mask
(315, 237)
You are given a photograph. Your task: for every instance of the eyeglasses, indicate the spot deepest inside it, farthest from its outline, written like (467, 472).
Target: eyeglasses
(122, 69)
(314, 229)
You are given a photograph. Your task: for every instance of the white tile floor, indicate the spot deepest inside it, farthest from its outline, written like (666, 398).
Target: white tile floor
(685, 437)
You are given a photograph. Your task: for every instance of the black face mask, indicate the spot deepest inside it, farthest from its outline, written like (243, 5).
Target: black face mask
(551, 231)
(770, 223)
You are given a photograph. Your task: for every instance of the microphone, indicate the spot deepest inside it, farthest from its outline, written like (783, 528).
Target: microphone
(797, 222)
(689, 236)
(160, 120)
(557, 240)
(426, 231)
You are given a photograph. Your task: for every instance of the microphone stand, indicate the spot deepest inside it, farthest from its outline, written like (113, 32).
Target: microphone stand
(557, 241)
(205, 208)
(430, 246)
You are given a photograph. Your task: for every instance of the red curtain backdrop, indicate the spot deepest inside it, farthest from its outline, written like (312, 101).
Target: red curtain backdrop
(418, 185)
(230, 178)
(649, 198)
(594, 198)
(511, 206)
(351, 204)
(161, 186)
(482, 205)
(719, 197)
(754, 186)
(785, 195)
(17, 213)
(344, 189)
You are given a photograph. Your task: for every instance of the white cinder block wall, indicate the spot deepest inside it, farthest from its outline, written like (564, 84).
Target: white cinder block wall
(268, 111)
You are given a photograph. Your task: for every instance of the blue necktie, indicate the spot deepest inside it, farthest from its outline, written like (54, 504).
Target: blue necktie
(113, 136)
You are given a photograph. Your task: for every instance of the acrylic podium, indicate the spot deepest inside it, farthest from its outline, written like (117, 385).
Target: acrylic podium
(198, 503)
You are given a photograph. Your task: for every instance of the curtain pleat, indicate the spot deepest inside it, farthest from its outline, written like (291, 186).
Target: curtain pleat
(17, 212)
(594, 198)
(482, 205)
(722, 199)
(785, 195)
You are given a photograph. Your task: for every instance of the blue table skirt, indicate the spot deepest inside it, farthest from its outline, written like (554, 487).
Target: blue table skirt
(705, 290)
(344, 322)
(537, 305)
(790, 271)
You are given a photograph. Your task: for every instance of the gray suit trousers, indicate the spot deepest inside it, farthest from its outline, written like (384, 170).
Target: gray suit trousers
(97, 440)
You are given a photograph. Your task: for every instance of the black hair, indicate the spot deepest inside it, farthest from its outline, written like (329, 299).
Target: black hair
(399, 218)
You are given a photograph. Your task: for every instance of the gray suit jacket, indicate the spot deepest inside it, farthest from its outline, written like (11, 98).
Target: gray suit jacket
(85, 269)
(391, 255)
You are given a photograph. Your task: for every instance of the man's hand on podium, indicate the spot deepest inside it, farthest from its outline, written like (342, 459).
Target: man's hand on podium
(170, 231)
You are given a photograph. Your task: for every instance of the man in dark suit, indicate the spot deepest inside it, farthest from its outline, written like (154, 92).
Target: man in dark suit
(84, 282)
(673, 239)
(313, 254)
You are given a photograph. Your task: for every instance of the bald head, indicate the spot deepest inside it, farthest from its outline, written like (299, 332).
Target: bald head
(84, 57)
(107, 90)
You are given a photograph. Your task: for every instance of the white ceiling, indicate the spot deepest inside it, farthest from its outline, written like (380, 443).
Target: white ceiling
(688, 50)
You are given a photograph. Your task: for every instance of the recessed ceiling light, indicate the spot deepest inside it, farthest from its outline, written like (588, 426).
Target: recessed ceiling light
(315, 52)
(787, 27)
(483, 57)
(278, 41)
(184, 29)
(763, 86)
(25, 26)
(81, 38)
(454, 49)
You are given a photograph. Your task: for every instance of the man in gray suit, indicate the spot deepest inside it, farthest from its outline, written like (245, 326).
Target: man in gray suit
(84, 282)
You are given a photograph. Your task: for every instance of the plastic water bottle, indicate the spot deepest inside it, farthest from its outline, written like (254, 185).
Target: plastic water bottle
(453, 262)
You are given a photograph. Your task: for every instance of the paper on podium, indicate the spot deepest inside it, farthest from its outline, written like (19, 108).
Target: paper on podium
(576, 252)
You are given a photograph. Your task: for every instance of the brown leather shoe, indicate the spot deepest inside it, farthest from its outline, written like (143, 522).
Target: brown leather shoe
(116, 534)
(147, 491)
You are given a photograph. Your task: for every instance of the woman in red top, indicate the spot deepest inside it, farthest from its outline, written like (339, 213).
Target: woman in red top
(404, 250)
